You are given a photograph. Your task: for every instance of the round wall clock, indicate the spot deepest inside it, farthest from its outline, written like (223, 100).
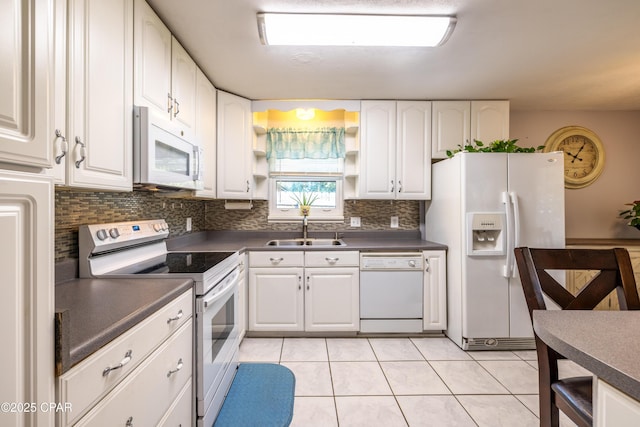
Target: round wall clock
(583, 154)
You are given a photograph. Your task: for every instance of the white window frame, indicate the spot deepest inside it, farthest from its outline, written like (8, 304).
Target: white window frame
(317, 214)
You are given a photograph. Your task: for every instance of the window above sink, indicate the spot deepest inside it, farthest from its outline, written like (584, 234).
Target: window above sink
(305, 158)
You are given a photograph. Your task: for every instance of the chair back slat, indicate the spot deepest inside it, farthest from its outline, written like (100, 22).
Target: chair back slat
(614, 272)
(627, 295)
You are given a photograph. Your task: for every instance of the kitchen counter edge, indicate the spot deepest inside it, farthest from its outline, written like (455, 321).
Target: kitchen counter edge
(90, 313)
(603, 342)
(257, 241)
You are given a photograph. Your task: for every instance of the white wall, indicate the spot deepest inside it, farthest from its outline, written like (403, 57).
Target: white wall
(591, 212)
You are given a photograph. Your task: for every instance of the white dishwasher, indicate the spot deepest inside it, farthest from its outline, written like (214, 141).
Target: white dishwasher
(391, 286)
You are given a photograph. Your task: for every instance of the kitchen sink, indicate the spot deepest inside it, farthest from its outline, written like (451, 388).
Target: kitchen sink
(307, 242)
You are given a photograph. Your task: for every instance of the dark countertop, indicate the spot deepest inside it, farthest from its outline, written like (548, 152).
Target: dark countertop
(604, 342)
(256, 241)
(92, 312)
(621, 243)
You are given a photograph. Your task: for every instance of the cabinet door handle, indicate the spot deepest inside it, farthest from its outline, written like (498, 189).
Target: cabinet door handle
(178, 367)
(332, 260)
(63, 146)
(129, 422)
(173, 319)
(169, 103)
(177, 109)
(393, 187)
(127, 359)
(81, 152)
(426, 265)
(299, 283)
(276, 260)
(308, 280)
(248, 187)
(399, 186)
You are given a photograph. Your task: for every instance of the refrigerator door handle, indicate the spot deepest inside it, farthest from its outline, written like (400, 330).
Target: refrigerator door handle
(507, 268)
(516, 227)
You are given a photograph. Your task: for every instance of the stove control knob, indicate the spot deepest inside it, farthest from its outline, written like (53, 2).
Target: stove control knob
(165, 227)
(114, 232)
(412, 263)
(102, 234)
(157, 227)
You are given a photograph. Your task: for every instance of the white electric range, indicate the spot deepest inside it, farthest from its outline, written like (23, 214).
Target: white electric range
(138, 249)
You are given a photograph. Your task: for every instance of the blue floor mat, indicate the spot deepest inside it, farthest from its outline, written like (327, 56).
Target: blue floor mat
(261, 395)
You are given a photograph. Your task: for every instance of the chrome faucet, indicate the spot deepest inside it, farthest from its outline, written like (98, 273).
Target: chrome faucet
(305, 223)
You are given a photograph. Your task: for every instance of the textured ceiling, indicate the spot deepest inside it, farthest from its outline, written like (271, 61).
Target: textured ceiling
(541, 54)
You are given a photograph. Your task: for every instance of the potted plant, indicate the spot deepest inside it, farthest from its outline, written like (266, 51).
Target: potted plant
(498, 146)
(304, 200)
(632, 214)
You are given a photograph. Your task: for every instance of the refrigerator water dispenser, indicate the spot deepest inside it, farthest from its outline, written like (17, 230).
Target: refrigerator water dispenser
(486, 233)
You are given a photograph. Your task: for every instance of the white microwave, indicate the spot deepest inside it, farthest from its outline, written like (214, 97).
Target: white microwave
(162, 159)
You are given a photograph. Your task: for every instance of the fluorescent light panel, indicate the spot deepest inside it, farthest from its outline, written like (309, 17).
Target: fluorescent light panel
(354, 30)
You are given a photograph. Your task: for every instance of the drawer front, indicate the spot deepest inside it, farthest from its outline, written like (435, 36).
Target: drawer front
(146, 395)
(181, 411)
(332, 259)
(276, 259)
(86, 383)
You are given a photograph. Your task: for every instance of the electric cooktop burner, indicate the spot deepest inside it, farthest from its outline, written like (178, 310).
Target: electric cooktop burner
(187, 262)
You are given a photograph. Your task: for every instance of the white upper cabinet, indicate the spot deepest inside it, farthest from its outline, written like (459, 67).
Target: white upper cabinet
(183, 85)
(152, 61)
(58, 99)
(451, 125)
(395, 149)
(235, 138)
(205, 133)
(26, 137)
(377, 149)
(413, 152)
(456, 123)
(489, 120)
(100, 94)
(165, 74)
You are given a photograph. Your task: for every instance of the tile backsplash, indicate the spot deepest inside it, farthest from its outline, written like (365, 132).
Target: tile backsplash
(75, 208)
(374, 215)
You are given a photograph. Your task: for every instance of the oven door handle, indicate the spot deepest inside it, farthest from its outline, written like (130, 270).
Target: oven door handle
(225, 287)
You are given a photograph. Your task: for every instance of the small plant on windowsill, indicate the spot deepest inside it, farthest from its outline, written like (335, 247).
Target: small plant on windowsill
(633, 214)
(498, 146)
(304, 201)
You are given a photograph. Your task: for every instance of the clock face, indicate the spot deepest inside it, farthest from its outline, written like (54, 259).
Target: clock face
(583, 154)
(580, 156)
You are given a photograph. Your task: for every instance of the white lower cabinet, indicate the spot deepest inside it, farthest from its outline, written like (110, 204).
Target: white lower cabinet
(435, 291)
(147, 394)
(332, 299)
(613, 408)
(276, 301)
(151, 365)
(298, 291)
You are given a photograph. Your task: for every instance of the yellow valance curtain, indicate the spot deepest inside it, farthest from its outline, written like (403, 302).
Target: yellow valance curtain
(319, 143)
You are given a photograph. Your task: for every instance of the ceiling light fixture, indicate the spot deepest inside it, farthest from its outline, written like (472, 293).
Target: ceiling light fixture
(305, 113)
(354, 30)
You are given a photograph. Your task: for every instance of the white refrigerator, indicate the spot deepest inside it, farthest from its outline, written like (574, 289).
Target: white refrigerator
(482, 206)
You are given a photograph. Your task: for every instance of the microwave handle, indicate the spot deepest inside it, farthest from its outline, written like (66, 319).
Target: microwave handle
(198, 153)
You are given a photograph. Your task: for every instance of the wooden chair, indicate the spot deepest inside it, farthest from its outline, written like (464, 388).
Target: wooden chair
(573, 396)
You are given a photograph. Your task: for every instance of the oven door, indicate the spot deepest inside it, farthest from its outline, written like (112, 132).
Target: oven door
(163, 158)
(217, 342)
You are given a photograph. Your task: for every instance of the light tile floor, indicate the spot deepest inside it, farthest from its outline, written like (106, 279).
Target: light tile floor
(405, 381)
